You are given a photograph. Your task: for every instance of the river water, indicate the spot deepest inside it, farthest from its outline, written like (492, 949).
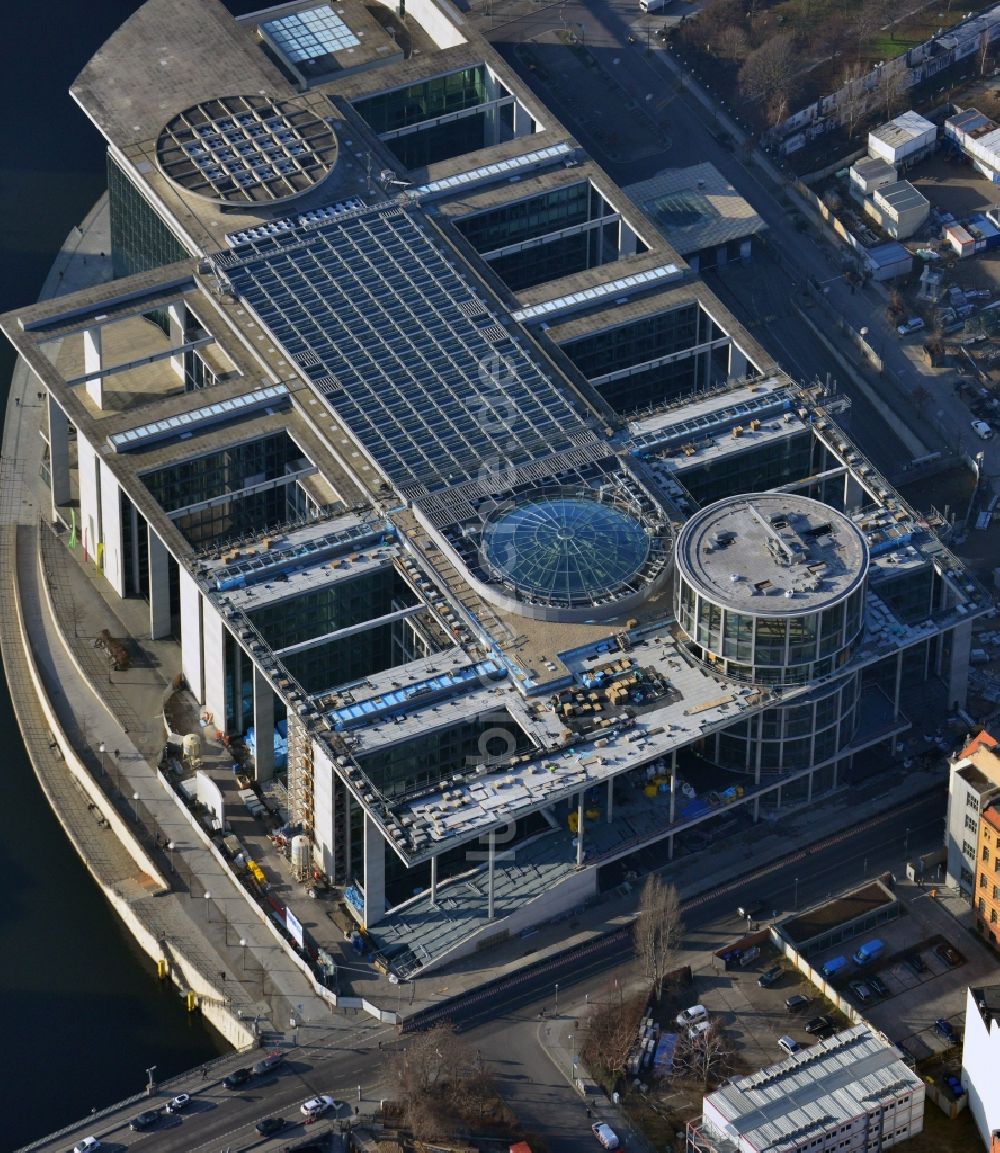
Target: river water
(83, 1011)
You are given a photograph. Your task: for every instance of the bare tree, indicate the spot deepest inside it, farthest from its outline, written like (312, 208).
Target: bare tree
(658, 929)
(709, 1057)
(867, 18)
(444, 1088)
(612, 1031)
(715, 16)
(892, 85)
(855, 101)
(768, 74)
(733, 42)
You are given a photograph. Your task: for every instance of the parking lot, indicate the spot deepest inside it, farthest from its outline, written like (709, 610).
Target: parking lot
(919, 987)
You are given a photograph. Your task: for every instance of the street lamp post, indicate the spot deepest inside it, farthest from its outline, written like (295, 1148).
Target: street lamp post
(557, 999)
(243, 946)
(135, 807)
(208, 903)
(906, 844)
(795, 903)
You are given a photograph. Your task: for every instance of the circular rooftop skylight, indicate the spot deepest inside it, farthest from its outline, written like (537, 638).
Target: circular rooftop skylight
(247, 150)
(566, 549)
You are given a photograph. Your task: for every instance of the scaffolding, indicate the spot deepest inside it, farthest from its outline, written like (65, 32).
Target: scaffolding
(300, 775)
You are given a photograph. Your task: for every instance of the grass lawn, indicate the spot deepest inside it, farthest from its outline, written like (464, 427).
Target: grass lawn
(943, 1136)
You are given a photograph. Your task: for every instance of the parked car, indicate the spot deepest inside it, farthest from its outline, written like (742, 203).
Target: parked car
(691, 1015)
(605, 1134)
(914, 324)
(915, 963)
(770, 977)
(699, 1030)
(796, 1002)
(316, 1106)
(179, 1103)
(87, 1145)
(144, 1120)
(789, 1044)
(237, 1078)
(861, 991)
(878, 986)
(981, 429)
(268, 1062)
(944, 1028)
(949, 954)
(818, 1024)
(270, 1125)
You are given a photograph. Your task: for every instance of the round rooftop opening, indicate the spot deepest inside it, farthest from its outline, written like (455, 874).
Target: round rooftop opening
(567, 551)
(247, 150)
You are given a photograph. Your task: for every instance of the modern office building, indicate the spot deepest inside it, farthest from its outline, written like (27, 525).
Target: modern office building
(853, 1092)
(516, 555)
(980, 1055)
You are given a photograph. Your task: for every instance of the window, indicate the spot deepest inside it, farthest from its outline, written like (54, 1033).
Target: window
(986, 852)
(996, 892)
(972, 801)
(982, 880)
(969, 850)
(982, 905)
(993, 916)
(970, 824)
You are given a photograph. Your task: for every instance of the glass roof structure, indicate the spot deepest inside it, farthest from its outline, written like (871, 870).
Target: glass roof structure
(421, 371)
(568, 549)
(309, 35)
(246, 149)
(598, 293)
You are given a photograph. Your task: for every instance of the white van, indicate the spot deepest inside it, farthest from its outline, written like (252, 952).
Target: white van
(982, 429)
(605, 1134)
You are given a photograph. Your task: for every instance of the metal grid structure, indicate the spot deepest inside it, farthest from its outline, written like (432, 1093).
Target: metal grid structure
(246, 149)
(309, 35)
(422, 371)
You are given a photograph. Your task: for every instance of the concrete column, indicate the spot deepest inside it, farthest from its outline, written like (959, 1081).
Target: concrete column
(809, 786)
(91, 531)
(112, 564)
(214, 663)
(670, 847)
(737, 362)
(434, 881)
(579, 829)
(758, 758)
(958, 669)
(895, 697)
(673, 793)
(192, 664)
(491, 874)
(159, 586)
(58, 455)
(175, 334)
(374, 874)
(93, 361)
(348, 805)
(853, 493)
(263, 726)
(611, 799)
(523, 121)
(626, 240)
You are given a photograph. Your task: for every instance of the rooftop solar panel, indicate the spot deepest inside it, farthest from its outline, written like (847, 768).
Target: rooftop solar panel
(383, 327)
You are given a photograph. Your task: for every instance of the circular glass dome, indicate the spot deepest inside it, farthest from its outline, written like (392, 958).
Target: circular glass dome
(566, 549)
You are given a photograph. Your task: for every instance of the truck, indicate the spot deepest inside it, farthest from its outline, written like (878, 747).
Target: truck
(868, 952)
(833, 966)
(652, 5)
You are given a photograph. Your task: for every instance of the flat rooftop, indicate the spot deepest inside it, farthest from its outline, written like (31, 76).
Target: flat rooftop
(696, 207)
(814, 1091)
(772, 554)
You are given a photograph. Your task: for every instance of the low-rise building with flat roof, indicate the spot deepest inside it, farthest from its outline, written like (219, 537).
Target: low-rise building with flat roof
(900, 209)
(853, 1093)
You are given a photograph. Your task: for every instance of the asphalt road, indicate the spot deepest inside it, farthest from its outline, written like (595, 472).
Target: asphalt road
(504, 1025)
(684, 137)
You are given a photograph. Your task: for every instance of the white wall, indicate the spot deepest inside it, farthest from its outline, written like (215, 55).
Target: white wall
(191, 634)
(433, 19)
(111, 514)
(90, 498)
(980, 1061)
(213, 644)
(958, 791)
(324, 783)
